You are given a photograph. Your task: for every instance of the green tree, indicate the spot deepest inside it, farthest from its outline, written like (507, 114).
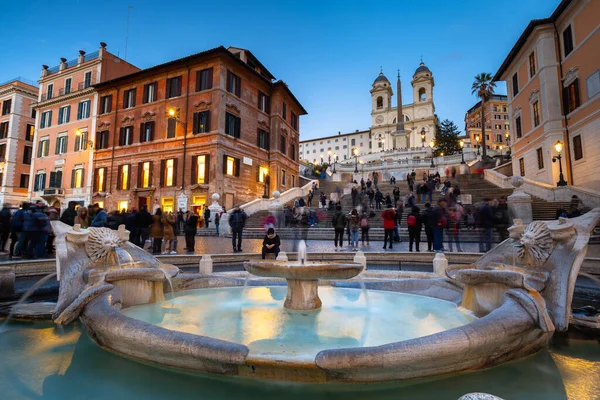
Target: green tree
(483, 87)
(446, 138)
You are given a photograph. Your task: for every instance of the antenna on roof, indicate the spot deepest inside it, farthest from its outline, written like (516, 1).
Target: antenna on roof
(381, 69)
(127, 31)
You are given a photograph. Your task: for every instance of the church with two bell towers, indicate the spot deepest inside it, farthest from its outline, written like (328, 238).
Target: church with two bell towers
(401, 127)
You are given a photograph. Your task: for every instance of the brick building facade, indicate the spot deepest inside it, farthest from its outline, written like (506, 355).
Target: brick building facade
(17, 121)
(171, 135)
(497, 126)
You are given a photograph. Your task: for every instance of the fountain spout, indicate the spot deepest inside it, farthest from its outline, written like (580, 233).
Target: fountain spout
(302, 252)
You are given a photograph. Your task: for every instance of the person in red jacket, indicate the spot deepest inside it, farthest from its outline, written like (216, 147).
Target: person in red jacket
(389, 219)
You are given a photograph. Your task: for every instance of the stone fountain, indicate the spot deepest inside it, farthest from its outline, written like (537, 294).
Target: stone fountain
(303, 277)
(516, 296)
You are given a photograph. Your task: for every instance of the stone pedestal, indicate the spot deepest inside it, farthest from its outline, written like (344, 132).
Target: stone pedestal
(337, 177)
(360, 258)
(206, 265)
(215, 208)
(7, 283)
(519, 203)
(302, 295)
(276, 209)
(282, 256)
(440, 264)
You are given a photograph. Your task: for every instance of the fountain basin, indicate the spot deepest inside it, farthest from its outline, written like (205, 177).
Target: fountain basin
(303, 279)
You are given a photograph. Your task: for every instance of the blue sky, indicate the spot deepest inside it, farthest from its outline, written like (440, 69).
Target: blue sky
(329, 52)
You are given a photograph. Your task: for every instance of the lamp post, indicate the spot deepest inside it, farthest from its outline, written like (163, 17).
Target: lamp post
(362, 167)
(174, 113)
(334, 161)
(462, 151)
(329, 157)
(423, 137)
(432, 145)
(355, 151)
(477, 141)
(507, 134)
(558, 146)
(501, 156)
(266, 180)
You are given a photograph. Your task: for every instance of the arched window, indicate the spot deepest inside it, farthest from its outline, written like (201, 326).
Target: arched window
(380, 102)
(422, 94)
(406, 119)
(394, 121)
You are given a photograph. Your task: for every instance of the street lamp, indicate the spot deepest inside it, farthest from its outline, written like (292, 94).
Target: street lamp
(558, 146)
(462, 151)
(431, 145)
(265, 181)
(477, 141)
(329, 157)
(334, 161)
(423, 137)
(88, 143)
(174, 114)
(355, 151)
(362, 166)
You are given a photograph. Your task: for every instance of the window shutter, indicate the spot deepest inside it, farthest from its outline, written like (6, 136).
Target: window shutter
(207, 166)
(79, 106)
(179, 82)
(68, 116)
(77, 142)
(109, 106)
(162, 173)
(57, 146)
(168, 88)
(35, 183)
(125, 93)
(104, 180)
(224, 164)
(207, 123)
(238, 127)
(142, 132)
(151, 167)
(576, 84)
(119, 172)
(72, 178)
(258, 137)
(59, 175)
(268, 140)
(96, 183)
(210, 78)
(43, 181)
(196, 123)
(140, 169)
(238, 87)
(39, 150)
(175, 172)
(52, 179)
(133, 93)
(145, 98)
(260, 96)
(121, 136)
(64, 144)
(128, 176)
(228, 81)
(565, 93)
(198, 80)
(82, 177)
(151, 130)
(194, 170)
(227, 123)
(237, 167)
(61, 112)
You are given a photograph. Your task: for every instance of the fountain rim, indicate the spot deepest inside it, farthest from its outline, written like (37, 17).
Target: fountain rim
(311, 270)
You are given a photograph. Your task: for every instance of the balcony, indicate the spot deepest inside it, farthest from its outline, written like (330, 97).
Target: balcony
(53, 192)
(64, 91)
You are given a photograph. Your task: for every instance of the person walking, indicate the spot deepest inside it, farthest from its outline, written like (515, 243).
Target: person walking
(323, 201)
(364, 227)
(371, 195)
(157, 231)
(453, 229)
(378, 199)
(5, 219)
(68, 216)
(375, 179)
(415, 224)
(168, 223)
(142, 222)
(354, 227)
(441, 222)
(217, 222)
(237, 222)
(206, 217)
(309, 198)
(486, 220)
(389, 220)
(16, 230)
(190, 228)
(428, 220)
(338, 221)
(271, 244)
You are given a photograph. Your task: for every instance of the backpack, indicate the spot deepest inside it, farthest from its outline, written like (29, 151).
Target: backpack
(411, 221)
(364, 223)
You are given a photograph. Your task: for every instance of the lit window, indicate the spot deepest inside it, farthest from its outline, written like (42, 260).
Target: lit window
(78, 178)
(536, 113)
(262, 173)
(145, 174)
(122, 205)
(169, 172)
(124, 177)
(167, 204)
(201, 169)
(100, 179)
(230, 166)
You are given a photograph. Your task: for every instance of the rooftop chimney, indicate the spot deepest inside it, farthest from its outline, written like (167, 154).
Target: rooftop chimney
(44, 70)
(81, 57)
(63, 64)
(102, 50)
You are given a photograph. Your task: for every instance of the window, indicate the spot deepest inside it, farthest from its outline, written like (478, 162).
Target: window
(518, 127)
(29, 132)
(83, 109)
(284, 111)
(499, 138)
(105, 104)
(353, 142)
(283, 176)
(204, 79)
(64, 114)
(100, 180)
(234, 83)
(87, 79)
(55, 179)
(77, 178)
(169, 172)
(380, 102)
(263, 172)
(150, 91)
(231, 166)
(122, 205)
(571, 96)
(515, 84)
(67, 85)
(522, 166)
(173, 87)
(294, 121)
(24, 182)
(201, 122)
(532, 64)
(61, 145)
(126, 136)
(124, 177)
(593, 84)
(171, 128)
(536, 113)
(167, 204)
(27, 153)
(293, 181)
(49, 91)
(422, 94)
(43, 148)
(129, 98)
(264, 102)
(577, 148)
(102, 140)
(2, 153)
(496, 126)
(293, 152)
(6, 106)
(4, 130)
(81, 141)
(146, 131)
(145, 174)
(282, 145)
(33, 113)
(262, 139)
(568, 40)
(540, 158)
(200, 168)
(232, 125)
(40, 181)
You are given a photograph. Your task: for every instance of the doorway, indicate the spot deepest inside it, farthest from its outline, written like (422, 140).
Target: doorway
(143, 201)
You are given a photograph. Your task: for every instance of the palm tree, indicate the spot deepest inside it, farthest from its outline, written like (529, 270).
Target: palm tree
(483, 87)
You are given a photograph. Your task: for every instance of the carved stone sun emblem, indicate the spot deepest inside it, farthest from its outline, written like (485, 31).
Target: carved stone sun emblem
(535, 244)
(101, 242)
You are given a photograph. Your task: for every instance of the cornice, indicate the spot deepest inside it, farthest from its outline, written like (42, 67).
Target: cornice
(17, 89)
(60, 99)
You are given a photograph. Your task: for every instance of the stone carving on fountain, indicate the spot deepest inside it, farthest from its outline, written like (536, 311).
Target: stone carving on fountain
(537, 265)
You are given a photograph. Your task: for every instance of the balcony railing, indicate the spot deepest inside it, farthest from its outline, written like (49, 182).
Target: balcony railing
(74, 62)
(53, 191)
(63, 91)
